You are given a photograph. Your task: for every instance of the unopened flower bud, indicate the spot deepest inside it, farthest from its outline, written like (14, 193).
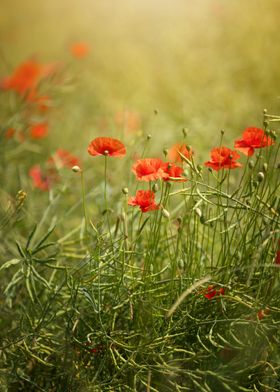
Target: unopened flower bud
(222, 132)
(198, 212)
(251, 164)
(125, 191)
(165, 152)
(155, 187)
(185, 132)
(149, 136)
(181, 264)
(76, 169)
(199, 168)
(156, 112)
(165, 213)
(260, 176)
(265, 167)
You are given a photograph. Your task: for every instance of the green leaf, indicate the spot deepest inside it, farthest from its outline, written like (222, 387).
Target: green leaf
(9, 263)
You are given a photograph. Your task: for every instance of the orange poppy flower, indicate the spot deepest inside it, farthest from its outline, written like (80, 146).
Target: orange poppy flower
(252, 138)
(43, 180)
(223, 158)
(145, 200)
(79, 50)
(106, 146)
(174, 172)
(173, 152)
(149, 169)
(63, 158)
(26, 77)
(39, 131)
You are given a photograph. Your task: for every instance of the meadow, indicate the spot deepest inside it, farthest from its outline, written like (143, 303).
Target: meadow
(139, 196)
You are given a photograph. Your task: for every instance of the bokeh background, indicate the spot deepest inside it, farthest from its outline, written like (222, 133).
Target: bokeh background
(205, 65)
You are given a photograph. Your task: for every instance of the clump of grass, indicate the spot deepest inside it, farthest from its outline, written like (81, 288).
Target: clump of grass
(173, 286)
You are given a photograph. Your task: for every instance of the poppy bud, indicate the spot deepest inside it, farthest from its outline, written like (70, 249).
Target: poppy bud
(76, 169)
(155, 187)
(156, 112)
(260, 176)
(149, 136)
(165, 152)
(265, 167)
(199, 168)
(198, 212)
(165, 213)
(125, 191)
(251, 164)
(222, 132)
(185, 132)
(181, 264)
(264, 111)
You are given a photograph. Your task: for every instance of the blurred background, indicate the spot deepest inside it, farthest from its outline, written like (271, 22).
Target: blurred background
(205, 65)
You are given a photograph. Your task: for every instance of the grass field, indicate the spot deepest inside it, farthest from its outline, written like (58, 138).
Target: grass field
(139, 196)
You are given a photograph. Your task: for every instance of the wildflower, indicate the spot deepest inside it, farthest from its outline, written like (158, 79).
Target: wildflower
(129, 120)
(26, 77)
(210, 292)
(223, 158)
(262, 313)
(39, 130)
(79, 50)
(43, 180)
(252, 138)
(106, 146)
(145, 200)
(63, 158)
(149, 169)
(277, 258)
(173, 152)
(174, 172)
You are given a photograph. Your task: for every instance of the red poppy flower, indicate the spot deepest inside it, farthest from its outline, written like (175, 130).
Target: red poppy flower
(63, 158)
(210, 292)
(173, 152)
(79, 50)
(26, 77)
(223, 158)
(262, 313)
(39, 131)
(252, 138)
(145, 200)
(43, 180)
(149, 169)
(174, 172)
(106, 146)
(129, 120)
